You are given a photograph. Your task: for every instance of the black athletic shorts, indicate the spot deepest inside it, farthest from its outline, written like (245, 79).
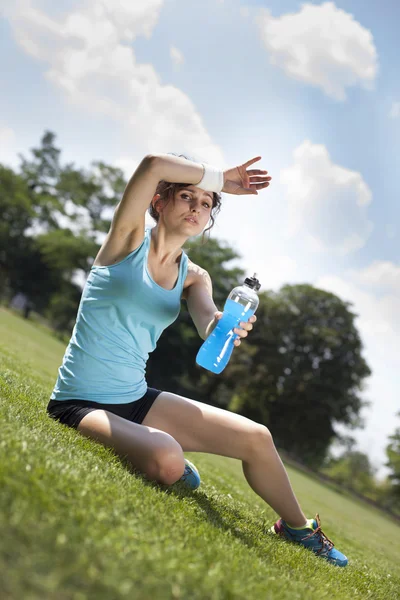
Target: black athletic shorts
(71, 412)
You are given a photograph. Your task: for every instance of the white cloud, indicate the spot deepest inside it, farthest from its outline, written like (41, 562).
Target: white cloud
(90, 57)
(273, 269)
(326, 202)
(176, 56)
(323, 46)
(395, 110)
(382, 275)
(127, 165)
(378, 313)
(7, 147)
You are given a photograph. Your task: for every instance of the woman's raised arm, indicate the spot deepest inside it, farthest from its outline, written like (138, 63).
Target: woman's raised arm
(127, 227)
(128, 223)
(130, 212)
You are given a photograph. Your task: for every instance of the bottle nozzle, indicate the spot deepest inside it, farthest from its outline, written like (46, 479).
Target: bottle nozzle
(253, 282)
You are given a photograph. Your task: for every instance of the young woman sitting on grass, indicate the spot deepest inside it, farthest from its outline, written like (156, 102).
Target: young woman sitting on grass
(132, 294)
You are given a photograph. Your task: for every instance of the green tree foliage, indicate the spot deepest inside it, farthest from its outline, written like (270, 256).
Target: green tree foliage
(53, 215)
(17, 214)
(64, 251)
(303, 370)
(393, 455)
(62, 306)
(354, 470)
(60, 189)
(61, 254)
(41, 173)
(96, 190)
(15, 205)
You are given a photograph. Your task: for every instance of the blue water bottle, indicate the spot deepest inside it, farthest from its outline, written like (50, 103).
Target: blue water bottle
(240, 305)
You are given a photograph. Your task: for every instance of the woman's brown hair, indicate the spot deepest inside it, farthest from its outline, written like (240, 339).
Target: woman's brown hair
(168, 190)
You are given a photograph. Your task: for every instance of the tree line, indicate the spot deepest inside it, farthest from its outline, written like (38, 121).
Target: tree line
(301, 370)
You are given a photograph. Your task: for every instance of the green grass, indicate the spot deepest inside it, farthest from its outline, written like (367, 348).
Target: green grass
(77, 523)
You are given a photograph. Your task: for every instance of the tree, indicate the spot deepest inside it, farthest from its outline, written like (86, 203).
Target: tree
(62, 305)
(41, 174)
(303, 371)
(393, 454)
(17, 214)
(98, 191)
(65, 251)
(61, 254)
(53, 215)
(354, 470)
(60, 189)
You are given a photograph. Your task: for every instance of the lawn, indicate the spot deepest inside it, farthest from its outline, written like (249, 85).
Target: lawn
(77, 523)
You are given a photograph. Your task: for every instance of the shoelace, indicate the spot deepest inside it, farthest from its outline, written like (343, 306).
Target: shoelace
(186, 472)
(321, 536)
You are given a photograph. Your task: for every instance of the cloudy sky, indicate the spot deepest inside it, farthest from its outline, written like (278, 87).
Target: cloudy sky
(311, 87)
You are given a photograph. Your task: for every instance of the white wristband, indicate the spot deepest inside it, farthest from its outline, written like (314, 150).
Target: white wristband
(212, 180)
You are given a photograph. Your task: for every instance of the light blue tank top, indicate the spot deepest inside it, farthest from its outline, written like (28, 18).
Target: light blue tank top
(121, 315)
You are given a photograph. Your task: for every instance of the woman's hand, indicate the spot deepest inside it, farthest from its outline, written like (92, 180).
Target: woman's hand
(241, 181)
(241, 331)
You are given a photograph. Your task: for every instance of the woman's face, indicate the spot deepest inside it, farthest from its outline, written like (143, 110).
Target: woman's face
(190, 210)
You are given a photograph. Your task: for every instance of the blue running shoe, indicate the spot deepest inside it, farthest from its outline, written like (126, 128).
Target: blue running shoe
(191, 476)
(313, 538)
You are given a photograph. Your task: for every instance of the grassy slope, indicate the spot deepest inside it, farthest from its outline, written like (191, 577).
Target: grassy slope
(75, 522)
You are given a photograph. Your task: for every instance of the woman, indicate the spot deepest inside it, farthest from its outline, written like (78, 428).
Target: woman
(132, 294)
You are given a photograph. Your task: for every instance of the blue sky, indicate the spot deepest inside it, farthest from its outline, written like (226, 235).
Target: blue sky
(312, 87)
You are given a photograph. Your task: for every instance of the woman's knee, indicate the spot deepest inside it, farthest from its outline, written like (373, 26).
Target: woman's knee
(167, 464)
(259, 439)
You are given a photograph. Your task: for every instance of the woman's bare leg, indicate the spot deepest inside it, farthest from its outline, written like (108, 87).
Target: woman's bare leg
(154, 453)
(199, 427)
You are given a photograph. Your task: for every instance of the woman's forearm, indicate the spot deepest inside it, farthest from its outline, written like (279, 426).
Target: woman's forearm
(177, 170)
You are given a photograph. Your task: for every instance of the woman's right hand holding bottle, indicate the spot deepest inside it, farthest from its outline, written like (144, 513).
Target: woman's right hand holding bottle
(241, 181)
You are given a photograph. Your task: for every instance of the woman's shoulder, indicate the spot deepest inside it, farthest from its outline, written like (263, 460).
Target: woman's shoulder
(195, 273)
